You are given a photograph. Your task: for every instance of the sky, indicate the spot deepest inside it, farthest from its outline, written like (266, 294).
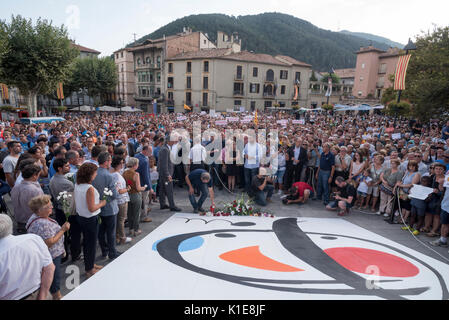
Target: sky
(108, 25)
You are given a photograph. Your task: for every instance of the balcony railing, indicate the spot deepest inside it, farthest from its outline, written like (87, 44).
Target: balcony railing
(269, 80)
(239, 77)
(269, 95)
(170, 103)
(239, 93)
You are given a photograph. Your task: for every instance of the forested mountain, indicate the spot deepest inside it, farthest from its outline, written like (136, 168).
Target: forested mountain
(276, 33)
(373, 37)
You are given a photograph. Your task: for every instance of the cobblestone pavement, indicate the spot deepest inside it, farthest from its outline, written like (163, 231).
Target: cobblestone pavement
(371, 222)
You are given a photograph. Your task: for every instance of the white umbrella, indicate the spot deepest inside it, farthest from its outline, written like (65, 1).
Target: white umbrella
(130, 109)
(83, 108)
(108, 108)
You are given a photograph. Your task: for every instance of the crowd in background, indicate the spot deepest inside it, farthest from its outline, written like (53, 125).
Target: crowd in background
(94, 178)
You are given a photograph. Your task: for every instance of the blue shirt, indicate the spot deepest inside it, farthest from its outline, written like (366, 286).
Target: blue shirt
(327, 161)
(195, 178)
(144, 171)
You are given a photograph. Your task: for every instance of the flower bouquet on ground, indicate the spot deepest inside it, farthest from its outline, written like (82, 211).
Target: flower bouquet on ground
(64, 198)
(239, 207)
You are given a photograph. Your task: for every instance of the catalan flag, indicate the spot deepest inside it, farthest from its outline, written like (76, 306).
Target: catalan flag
(60, 91)
(5, 93)
(256, 121)
(401, 71)
(186, 107)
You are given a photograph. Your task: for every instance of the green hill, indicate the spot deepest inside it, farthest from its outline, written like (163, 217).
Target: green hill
(276, 33)
(373, 37)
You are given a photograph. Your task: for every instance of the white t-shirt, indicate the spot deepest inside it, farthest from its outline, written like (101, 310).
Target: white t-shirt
(21, 261)
(9, 164)
(363, 186)
(120, 183)
(81, 200)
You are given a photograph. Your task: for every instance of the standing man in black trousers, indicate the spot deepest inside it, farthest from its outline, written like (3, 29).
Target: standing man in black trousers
(165, 167)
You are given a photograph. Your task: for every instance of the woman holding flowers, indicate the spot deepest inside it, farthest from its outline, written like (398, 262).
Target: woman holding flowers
(132, 179)
(52, 234)
(88, 205)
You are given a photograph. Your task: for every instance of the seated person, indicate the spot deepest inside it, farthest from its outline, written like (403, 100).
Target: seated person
(345, 197)
(261, 184)
(201, 180)
(300, 193)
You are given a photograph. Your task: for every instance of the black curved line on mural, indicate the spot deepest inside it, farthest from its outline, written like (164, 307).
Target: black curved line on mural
(168, 249)
(438, 275)
(300, 245)
(238, 224)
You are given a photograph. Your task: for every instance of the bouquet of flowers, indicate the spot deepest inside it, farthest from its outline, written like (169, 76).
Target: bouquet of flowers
(64, 198)
(70, 176)
(107, 193)
(239, 207)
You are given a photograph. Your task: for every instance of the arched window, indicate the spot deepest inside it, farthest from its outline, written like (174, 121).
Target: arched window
(148, 60)
(138, 61)
(270, 75)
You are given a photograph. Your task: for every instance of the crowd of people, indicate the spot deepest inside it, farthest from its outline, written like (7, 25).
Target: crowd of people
(93, 179)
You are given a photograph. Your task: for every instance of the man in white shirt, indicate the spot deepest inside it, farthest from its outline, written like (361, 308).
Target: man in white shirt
(10, 162)
(197, 155)
(26, 266)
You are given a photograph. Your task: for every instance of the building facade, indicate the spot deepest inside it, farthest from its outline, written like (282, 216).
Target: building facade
(142, 72)
(226, 79)
(373, 69)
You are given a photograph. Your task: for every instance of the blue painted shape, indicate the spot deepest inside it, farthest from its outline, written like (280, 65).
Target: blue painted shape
(186, 245)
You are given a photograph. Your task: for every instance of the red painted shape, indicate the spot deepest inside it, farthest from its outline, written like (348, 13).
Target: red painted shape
(359, 259)
(253, 258)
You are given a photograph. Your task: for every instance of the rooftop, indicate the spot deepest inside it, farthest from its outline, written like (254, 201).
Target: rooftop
(345, 73)
(85, 49)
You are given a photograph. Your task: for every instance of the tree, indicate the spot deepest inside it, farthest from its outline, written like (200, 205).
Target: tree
(37, 59)
(3, 40)
(313, 77)
(427, 81)
(335, 78)
(389, 95)
(396, 109)
(96, 77)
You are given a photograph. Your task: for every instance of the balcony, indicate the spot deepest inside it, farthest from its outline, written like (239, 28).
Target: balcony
(239, 93)
(239, 77)
(170, 103)
(380, 84)
(146, 66)
(269, 95)
(269, 80)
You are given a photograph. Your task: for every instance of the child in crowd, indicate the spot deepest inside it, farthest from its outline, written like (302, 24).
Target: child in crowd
(362, 190)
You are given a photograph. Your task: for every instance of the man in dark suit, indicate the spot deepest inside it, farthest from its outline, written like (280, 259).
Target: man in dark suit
(300, 158)
(165, 168)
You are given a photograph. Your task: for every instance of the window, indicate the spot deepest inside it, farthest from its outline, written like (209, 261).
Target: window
(122, 68)
(170, 96)
(143, 76)
(188, 98)
(189, 67)
(361, 78)
(205, 98)
(237, 102)
(170, 83)
(206, 83)
(159, 61)
(151, 77)
(363, 66)
(189, 83)
(254, 88)
(383, 68)
(270, 75)
(148, 60)
(116, 56)
(206, 65)
(253, 106)
(238, 88)
(158, 77)
(239, 72)
(170, 68)
(122, 54)
(144, 91)
(138, 61)
(283, 74)
(268, 104)
(298, 76)
(255, 72)
(283, 89)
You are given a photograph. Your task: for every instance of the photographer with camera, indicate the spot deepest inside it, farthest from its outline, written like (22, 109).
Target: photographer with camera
(260, 184)
(299, 193)
(344, 198)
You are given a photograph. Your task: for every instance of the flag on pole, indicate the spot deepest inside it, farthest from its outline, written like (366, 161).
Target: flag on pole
(401, 71)
(5, 93)
(256, 121)
(186, 107)
(60, 92)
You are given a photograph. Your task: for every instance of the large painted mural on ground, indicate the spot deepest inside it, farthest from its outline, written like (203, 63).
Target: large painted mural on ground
(191, 257)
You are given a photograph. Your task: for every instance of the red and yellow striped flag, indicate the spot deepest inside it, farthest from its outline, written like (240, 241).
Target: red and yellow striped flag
(60, 91)
(186, 107)
(401, 71)
(5, 92)
(256, 121)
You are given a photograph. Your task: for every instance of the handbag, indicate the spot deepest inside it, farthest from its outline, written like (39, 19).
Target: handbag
(386, 190)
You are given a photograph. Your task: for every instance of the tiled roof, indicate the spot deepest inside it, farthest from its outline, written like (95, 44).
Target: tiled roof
(239, 56)
(85, 49)
(392, 52)
(345, 73)
(369, 49)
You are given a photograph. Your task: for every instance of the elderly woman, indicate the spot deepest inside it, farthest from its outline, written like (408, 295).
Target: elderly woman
(389, 178)
(52, 234)
(88, 206)
(410, 178)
